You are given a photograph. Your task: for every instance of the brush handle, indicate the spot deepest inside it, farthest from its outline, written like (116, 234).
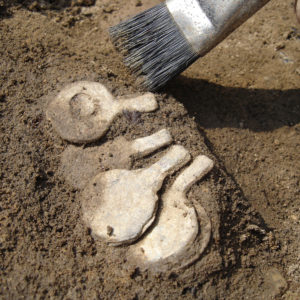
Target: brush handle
(205, 23)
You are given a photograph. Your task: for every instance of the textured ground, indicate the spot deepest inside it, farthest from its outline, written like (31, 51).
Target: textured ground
(240, 105)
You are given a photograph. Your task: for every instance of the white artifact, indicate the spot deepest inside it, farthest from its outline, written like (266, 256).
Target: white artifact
(79, 165)
(177, 226)
(119, 205)
(83, 111)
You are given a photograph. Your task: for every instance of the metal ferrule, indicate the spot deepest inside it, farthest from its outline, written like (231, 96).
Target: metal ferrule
(205, 23)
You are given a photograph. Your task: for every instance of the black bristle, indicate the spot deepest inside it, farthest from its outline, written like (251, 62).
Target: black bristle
(153, 46)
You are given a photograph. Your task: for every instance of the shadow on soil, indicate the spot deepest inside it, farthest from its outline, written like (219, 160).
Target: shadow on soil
(216, 106)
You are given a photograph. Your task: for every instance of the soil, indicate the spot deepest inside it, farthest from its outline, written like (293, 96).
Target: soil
(239, 105)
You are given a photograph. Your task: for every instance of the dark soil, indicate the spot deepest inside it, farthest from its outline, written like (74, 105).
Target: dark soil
(239, 105)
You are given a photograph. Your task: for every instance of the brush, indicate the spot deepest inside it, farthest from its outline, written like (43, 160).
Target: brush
(163, 41)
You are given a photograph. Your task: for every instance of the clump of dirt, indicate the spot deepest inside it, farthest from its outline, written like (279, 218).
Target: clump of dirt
(239, 105)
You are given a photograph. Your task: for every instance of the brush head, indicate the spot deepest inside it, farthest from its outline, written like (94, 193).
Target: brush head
(153, 46)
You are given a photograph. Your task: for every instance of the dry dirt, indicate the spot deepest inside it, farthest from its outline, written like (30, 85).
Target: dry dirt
(239, 105)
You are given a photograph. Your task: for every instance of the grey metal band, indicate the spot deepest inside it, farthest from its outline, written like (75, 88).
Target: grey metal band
(192, 21)
(204, 23)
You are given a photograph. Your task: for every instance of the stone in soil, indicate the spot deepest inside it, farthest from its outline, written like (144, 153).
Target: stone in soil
(274, 284)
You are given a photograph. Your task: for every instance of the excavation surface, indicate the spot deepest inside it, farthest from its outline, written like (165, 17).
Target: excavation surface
(240, 106)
